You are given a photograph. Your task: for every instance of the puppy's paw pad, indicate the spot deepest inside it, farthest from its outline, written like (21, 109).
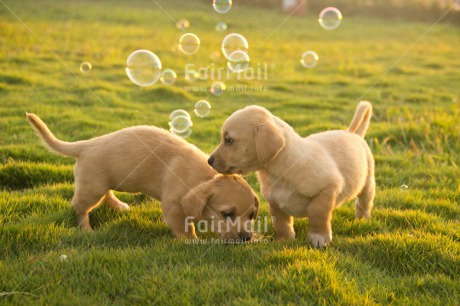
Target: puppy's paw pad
(319, 240)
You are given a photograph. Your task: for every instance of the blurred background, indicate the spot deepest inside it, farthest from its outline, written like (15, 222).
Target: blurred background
(418, 10)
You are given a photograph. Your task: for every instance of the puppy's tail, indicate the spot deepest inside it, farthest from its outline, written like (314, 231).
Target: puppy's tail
(361, 119)
(50, 141)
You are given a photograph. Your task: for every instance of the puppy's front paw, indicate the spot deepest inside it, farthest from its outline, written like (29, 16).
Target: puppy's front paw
(319, 240)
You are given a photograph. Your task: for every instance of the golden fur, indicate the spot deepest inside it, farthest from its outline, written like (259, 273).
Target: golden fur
(300, 177)
(152, 161)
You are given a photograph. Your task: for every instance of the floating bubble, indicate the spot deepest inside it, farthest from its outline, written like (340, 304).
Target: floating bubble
(189, 43)
(168, 77)
(309, 59)
(183, 24)
(234, 42)
(221, 26)
(222, 6)
(85, 67)
(218, 88)
(404, 187)
(180, 124)
(183, 134)
(330, 18)
(144, 68)
(179, 112)
(191, 76)
(238, 61)
(202, 108)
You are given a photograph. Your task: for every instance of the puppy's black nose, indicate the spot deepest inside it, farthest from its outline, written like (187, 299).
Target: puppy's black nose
(210, 160)
(245, 237)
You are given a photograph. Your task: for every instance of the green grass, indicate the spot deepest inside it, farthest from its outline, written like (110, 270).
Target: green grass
(409, 253)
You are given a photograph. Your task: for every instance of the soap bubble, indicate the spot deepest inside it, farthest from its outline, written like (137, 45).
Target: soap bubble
(144, 68)
(180, 124)
(168, 77)
(202, 108)
(191, 76)
(189, 43)
(238, 61)
(218, 88)
(183, 134)
(221, 26)
(309, 59)
(63, 258)
(179, 112)
(404, 187)
(234, 42)
(222, 6)
(85, 67)
(183, 24)
(330, 18)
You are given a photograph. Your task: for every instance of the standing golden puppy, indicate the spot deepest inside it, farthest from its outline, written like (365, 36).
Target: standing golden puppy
(152, 161)
(300, 177)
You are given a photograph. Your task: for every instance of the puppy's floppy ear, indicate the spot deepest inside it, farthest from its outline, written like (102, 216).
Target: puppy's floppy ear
(269, 141)
(194, 202)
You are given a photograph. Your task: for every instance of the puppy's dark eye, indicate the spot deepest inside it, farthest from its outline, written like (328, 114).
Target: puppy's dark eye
(251, 216)
(227, 214)
(228, 140)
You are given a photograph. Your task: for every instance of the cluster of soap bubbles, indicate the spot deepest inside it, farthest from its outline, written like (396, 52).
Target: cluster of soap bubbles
(235, 49)
(181, 121)
(329, 19)
(144, 68)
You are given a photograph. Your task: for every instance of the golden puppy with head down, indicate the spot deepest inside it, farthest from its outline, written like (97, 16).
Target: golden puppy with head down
(161, 165)
(300, 177)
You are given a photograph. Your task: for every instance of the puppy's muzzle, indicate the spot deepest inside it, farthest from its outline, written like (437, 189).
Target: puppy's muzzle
(211, 160)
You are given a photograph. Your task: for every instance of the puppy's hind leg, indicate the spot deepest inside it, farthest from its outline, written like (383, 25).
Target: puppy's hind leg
(83, 203)
(114, 202)
(365, 201)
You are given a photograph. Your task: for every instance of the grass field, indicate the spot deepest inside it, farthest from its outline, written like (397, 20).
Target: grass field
(408, 253)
